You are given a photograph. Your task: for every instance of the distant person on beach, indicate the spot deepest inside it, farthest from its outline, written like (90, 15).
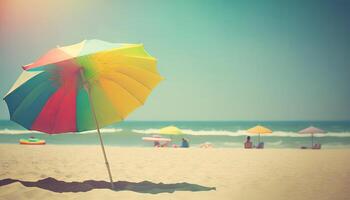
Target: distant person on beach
(248, 144)
(156, 144)
(184, 143)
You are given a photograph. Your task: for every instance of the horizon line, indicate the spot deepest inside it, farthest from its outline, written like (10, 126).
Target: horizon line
(194, 120)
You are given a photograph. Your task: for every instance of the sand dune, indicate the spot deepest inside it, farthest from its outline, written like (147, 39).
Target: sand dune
(185, 173)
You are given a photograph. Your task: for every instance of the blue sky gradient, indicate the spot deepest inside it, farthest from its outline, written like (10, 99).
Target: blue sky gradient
(222, 60)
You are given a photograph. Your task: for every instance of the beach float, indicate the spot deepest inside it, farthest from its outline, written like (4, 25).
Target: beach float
(32, 141)
(156, 139)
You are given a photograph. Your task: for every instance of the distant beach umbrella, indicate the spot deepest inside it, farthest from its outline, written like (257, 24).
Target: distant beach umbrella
(259, 130)
(170, 130)
(82, 87)
(311, 130)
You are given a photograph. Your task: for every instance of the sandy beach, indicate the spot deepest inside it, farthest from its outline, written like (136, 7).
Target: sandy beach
(214, 173)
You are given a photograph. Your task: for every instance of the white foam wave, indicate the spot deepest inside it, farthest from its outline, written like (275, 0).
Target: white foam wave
(103, 130)
(243, 133)
(20, 131)
(17, 131)
(277, 143)
(336, 146)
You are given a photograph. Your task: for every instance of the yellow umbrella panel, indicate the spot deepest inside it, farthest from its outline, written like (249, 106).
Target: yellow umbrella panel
(170, 130)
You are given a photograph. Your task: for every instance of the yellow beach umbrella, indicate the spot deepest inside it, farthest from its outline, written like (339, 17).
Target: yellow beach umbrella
(170, 130)
(259, 130)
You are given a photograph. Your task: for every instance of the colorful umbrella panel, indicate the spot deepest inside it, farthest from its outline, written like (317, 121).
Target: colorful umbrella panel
(50, 95)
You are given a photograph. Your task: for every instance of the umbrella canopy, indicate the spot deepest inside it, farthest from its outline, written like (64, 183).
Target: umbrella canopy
(259, 130)
(51, 94)
(311, 130)
(82, 87)
(170, 130)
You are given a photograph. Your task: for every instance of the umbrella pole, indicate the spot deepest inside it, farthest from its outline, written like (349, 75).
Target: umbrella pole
(98, 128)
(312, 140)
(104, 152)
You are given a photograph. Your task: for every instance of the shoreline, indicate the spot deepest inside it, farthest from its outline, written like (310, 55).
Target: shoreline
(191, 147)
(344, 147)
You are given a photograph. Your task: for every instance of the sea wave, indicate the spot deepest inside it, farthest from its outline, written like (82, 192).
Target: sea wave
(23, 131)
(17, 131)
(243, 133)
(336, 146)
(103, 130)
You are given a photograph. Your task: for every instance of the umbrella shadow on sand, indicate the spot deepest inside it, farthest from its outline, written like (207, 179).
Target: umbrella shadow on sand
(54, 185)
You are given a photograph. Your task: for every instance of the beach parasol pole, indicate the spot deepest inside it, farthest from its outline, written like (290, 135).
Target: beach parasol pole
(87, 88)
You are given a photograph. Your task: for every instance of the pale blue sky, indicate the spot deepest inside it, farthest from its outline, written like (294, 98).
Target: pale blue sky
(222, 60)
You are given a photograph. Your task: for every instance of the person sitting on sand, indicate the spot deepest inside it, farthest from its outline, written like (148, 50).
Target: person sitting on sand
(248, 144)
(156, 144)
(184, 143)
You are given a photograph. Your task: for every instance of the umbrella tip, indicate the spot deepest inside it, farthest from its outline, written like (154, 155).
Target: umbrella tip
(25, 67)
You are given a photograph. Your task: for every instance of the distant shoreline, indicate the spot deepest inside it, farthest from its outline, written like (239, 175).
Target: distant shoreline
(345, 120)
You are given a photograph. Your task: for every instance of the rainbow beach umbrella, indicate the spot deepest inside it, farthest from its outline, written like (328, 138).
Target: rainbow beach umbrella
(82, 87)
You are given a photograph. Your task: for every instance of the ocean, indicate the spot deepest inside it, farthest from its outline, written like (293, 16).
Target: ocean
(223, 134)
